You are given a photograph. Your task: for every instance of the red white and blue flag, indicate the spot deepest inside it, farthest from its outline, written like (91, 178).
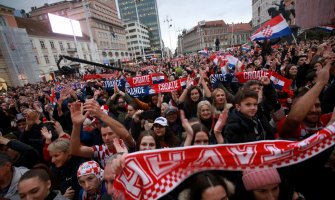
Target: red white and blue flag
(279, 82)
(274, 28)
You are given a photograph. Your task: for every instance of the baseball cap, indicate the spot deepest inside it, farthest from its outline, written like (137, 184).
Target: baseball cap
(170, 110)
(161, 121)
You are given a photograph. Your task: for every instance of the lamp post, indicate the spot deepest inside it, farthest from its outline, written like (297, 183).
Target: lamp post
(168, 20)
(138, 21)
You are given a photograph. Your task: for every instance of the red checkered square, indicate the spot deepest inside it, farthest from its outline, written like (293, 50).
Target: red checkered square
(267, 32)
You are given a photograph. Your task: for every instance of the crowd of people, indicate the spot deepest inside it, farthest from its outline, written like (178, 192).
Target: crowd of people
(64, 142)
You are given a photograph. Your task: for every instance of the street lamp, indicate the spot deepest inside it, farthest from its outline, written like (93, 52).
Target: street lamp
(138, 21)
(168, 20)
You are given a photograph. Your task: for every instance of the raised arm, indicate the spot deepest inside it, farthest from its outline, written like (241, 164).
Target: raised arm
(304, 104)
(208, 93)
(188, 129)
(77, 119)
(92, 107)
(219, 126)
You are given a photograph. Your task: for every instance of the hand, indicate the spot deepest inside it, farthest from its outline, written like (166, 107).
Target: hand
(221, 121)
(265, 80)
(116, 89)
(323, 74)
(69, 193)
(188, 82)
(186, 125)
(77, 115)
(160, 99)
(93, 108)
(120, 148)
(46, 134)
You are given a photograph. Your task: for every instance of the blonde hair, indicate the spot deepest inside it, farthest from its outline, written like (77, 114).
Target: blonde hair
(204, 103)
(59, 145)
(218, 107)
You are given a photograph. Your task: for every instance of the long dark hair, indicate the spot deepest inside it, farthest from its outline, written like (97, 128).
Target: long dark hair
(142, 135)
(199, 127)
(203, 180)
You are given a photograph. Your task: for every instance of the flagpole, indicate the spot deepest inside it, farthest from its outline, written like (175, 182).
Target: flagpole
(295, 40)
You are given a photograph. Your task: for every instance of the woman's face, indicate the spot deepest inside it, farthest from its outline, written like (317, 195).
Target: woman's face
(205, 112)
(293, 70)
(34, 189)
(90, 183)
(267, 192)
(201, 138)
(220, 97)
(159, 130)
(59, 158)
(130, 110)
(147, 143)
(214, 193)
(195, 95)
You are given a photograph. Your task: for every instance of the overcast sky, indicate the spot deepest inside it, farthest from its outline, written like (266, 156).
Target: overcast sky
(185, 14)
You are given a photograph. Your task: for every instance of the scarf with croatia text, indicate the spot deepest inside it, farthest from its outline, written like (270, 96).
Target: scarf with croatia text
(152, 174)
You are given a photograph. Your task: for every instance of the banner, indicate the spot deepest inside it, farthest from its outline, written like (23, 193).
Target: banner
(254, 75)
(152, 174)
(109, 84)
(169, 86)
(146, 80)
(139, 91)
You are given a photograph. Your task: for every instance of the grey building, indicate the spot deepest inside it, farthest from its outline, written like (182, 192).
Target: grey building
(148, 15)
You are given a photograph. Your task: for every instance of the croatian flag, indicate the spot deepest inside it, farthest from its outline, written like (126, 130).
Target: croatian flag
(279, 82)
(274, 28)
(158, 78)
(232, 61)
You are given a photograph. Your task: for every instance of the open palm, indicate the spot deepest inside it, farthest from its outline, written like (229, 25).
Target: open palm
(77, 115)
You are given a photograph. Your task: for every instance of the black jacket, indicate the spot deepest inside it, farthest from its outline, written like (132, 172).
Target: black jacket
(240, 129)
(28, 155)
(67, 175)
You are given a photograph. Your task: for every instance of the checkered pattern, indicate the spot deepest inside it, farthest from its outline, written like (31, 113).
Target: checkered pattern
(267, 32)
(299, 151)
(90, 167)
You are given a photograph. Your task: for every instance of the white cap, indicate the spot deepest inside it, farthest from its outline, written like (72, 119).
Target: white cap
(161, 121)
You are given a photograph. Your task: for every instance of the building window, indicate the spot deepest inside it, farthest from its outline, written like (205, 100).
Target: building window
(38, 62)
(46, 58)
(68, 45)
(32, 44)
(61, 46)
(42, 44)
(52, 44)
(56, 58)
(122, 54)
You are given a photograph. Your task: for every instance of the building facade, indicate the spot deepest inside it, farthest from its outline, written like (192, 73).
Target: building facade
(147, 14)
(46, 47)
(99, 20)
(137, 38)
(260, 13)
(17, 63)
(207, 33)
